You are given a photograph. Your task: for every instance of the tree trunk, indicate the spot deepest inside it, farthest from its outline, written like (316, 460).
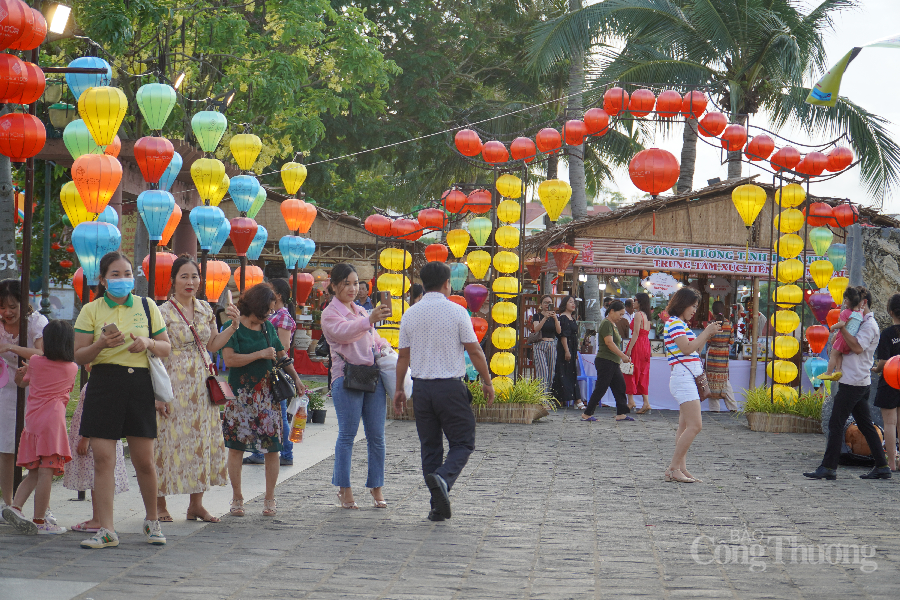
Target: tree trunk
(688, 156)
(734, 158)
(8, 262)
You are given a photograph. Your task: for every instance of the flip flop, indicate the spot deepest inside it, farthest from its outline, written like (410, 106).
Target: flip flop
(84, 528)
(166, 519)
(589, 419)
(625, 419)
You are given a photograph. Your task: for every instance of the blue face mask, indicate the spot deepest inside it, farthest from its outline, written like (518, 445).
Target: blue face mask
(119, 288)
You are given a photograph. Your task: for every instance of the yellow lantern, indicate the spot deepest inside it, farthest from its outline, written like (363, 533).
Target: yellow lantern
(73, 205)
(785, 321)
(102, 109)
(479, 261)
(208, 174)
(790, 196)
(508, 211)
(507, 236)
(219, 194)
(836, 288)
(391, 334)
(480, 230)
(782, 371)
(506, 262)
(506, 287)
(245, 148)
(821, 271)
(789, 221)
(395, 259)
(748, 199)
(790, 270)
(292, 175)
(458, 240)
(503, 338)
(398, 307)
(790, 245)
(502, 386)
(784, 393)
(503, 363)
(554, 195)
(787, 296)
(504, 312)
(786, 346)
(509, 186)
(394, 283)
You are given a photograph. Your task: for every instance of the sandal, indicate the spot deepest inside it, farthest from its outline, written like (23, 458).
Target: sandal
(82, 527)
(347, 505)
(207, 518)
(378, 503)
(269, 509)
(237, 508)
(165, 518)
(642, 411)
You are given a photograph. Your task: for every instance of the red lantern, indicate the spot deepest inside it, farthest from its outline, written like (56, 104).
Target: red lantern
(563, 255)
(55, 246)
(574, 132)
(817, 336)
(845, 214)
(66, 264)
(304, 286)
(78, 284)
(406, 229)
(597, 121)
(642, 103)
(534, 266)
(654, 170)
(12, 21)
(436, 253)
(786, 158)
(812, 164)
(13, 76)
(242, 231)
(834, 315)
(153, 155)
(839, 159)
(712, 124)
(494, 152)
(480, 326)
(522, 148)
(668, 104)
(459, 300)
(820, 214)
(615, 100)
(454, 201)
(760, 147)
(21, 136)
(162, 281)
(70, 249)
(34, 30)
(378, 225)
(479, 202)
(891, 372)
(114, 148)
(432, 218)
(694, 104)
(548, 140)
(734, 137)
(35, 82)
(468, 143)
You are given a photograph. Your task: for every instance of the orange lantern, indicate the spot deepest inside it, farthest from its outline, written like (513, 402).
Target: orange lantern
(217, 275)
(820, 214)
(432, 218)
(615, 100)
(845, 214)
(162, 281)
(114, 148)
(171, 226)
(406, 229)
(378, 225)
(712, 124)
(293, 212)
(786, 158)
(817, 336)
(22, 136)
(459, 300)
(78, 284)
(760, 147)
(548, 140)
(833, 316)
(574, 132)
(479, 202)
(563, 256)
(304, 286)
(467, 142)
(96, 177)
(436, 252)
(668, 104)
(839, 159)
(480, 326)
(494, 152)
(813, 164)
(597, 121)
(734, 137)
(454, 201)
(653, 170)
(642, 103)
(522, 148)
(254, 276)
(307, 216)
(35, 83)
(694, 104)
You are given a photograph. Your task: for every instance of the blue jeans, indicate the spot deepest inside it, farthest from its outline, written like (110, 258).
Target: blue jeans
(287, 446)
(350, 406)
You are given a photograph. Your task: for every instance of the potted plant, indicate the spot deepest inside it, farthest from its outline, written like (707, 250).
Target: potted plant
(783, 412)
(316, 408)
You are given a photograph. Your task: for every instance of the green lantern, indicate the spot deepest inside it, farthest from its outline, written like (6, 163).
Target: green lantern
(78, 140)
(257, 203)
(820, 238)
(480, 229)
(209, 127)
(156, 101)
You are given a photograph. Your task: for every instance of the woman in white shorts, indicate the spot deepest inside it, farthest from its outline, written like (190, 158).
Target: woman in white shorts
(682, 352)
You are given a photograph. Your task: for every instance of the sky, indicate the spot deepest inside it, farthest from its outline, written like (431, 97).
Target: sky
(871, 81)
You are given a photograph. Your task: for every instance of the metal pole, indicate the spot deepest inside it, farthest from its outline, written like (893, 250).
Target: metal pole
(202, 294)
(243, 272)
(45, 267)
(151, 276)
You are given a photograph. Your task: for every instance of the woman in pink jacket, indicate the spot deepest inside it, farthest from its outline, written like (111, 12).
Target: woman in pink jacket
(350, 332)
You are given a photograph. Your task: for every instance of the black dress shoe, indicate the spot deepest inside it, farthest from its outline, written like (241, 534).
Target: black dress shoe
(440, 496)
(822, 473)
(433, 515)
(878, 473)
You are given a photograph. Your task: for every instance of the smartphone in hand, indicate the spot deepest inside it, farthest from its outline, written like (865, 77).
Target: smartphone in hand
(110, 329)
(385, 299)
(228, 298)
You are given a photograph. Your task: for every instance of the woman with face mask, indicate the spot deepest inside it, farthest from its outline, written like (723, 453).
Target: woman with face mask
(114, 334)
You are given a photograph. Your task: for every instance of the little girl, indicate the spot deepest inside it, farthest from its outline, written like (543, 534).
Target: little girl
(853, 318)
(43, 447)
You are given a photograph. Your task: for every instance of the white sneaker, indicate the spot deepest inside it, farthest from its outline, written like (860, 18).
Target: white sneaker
(154, 533)
(102, 539)
(49, 518)
(48, 528)
(14, 517)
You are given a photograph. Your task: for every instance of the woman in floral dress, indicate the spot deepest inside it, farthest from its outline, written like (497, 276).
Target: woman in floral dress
(190, 452)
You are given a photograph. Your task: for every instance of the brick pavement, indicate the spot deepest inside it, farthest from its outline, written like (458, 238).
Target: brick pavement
(555, 510)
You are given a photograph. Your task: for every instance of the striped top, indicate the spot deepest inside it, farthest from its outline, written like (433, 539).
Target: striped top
(676, 328)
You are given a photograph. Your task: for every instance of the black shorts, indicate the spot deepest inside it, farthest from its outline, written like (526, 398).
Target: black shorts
(119, 402)
(887, 397)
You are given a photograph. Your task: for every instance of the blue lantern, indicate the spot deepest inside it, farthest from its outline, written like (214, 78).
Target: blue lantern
(291, 247)
(156, 207)
(171, 172)
(206, 221)
(459, 272)
(93, 239)
(78, 82)
(309, 248)
(109, 215)
(221, 237)
(814, 367)
(243, 190)
(837, 254)
(256, 246)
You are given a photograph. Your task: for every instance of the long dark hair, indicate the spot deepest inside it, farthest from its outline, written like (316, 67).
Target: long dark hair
(643, 301)
(339, 273)
(283, 290)
(11, 289)
(682, 300)
(563, 303)
(893, 306)
(105, 263)
(184, 259)
(59, 341)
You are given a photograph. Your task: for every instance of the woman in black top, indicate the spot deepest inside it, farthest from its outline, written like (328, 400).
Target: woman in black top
(565, 386)
(888, 398)
(547, 322)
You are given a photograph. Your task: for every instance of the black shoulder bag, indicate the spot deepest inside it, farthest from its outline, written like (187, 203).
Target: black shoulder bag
(322, 347)
(282, 385)
(363, 378)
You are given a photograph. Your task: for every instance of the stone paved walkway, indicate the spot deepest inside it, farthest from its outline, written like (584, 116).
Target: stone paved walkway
(559, 509)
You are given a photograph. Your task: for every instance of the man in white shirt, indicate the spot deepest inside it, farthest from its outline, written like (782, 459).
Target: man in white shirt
(434, 333)
(853, 397)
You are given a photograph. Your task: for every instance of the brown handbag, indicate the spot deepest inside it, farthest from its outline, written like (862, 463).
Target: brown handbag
(700, 380)
(219, 391)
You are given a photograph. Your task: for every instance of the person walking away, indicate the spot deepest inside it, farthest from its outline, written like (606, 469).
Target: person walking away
(351, 333)
(853, 396)
(683, 354)
(43, 446)
(638, 350)
(565, 386)
(609, 365)
(434, 336)
(888, 398)
(717, 355)
(547, 322)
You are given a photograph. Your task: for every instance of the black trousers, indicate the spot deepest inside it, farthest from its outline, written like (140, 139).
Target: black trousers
(443, 407)
(851, 400)
(609, 377)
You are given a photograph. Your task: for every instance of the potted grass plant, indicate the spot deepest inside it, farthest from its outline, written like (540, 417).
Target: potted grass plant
(783, 412)
(316, 408)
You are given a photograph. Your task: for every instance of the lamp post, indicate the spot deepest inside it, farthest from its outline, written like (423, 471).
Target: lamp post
(45, 271)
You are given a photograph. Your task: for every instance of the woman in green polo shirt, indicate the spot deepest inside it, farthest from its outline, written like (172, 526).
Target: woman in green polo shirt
(608, 363)
(119, 401)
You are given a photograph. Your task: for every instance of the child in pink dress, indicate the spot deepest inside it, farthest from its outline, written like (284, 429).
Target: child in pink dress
(853, 318)
(44, 447)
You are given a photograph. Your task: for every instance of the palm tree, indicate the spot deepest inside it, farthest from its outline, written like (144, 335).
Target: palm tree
(754, 53)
